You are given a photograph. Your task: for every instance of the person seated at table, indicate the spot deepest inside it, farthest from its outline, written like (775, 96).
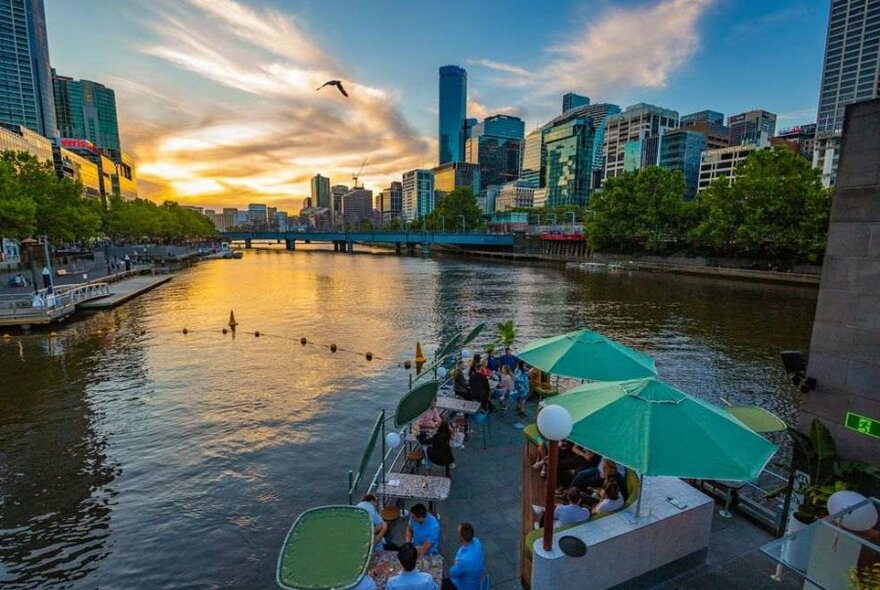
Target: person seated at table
(423, 531)
(460, 383)
(410, 578)
(572, 512)
(380, 527)
(366, 583)
(594, 477)
(573, 460)
(478, 386)
(466, 572)
(428, 424)
(610, 498)
(492, 362)
(508, 359)
(440, 450)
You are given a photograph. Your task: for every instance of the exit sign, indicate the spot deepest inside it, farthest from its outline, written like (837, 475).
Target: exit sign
(863, 424)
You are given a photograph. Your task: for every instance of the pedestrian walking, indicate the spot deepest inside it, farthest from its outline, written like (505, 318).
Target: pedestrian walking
(127, 263)
(47, 277)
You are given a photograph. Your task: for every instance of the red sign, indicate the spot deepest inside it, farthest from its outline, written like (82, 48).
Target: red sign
(563, 237)
(80, 144)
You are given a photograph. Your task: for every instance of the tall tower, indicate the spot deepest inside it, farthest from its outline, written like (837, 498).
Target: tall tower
(849, 74)
(453, 113)
(25, 75)
(87, 110)
(321, 191)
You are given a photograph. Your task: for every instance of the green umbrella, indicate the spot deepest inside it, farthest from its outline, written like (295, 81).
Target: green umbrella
(587, 355)
(655, 429)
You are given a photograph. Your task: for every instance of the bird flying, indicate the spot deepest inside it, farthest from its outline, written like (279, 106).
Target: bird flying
(337, 83)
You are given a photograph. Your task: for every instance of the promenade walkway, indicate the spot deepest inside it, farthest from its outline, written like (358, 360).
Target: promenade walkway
(124, 290)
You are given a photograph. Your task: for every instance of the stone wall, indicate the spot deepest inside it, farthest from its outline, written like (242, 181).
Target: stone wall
(845, 348)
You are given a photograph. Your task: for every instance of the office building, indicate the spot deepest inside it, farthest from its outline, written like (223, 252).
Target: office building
(572, 101)
(637, 122)
(469, 125)
(258, 215)
(124, 179)
(337, 191)
(514, 194)
(280, 220)
(308, 203)
(321, 191)
(722, 163)
(73, 166)
(457, 174)
(641, 153)
(87, 110)
(851, 73)
(681, 149)
(488, 197)
(569, 162)
(106, 166)
(390, 202)
(453, 113)
(709, 123)
(533, 159)
(801, 139)
(357, 205)
(18, 138)
(418, 194)
(25, 73)
(496, 144)
(756, 127)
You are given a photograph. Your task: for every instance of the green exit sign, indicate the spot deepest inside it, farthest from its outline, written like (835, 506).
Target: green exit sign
(863, 424)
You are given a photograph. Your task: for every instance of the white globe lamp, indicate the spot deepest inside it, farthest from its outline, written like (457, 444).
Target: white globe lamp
(392, 440)
(554, 423)
(860, 519)
(442, 372)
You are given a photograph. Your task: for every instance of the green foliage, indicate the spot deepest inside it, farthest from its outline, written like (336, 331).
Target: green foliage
(394, 225)
(777, 210)
(456, 203)
(34, 200)
(140, 218)
(640, 211)
(866, 577)
(506, 333)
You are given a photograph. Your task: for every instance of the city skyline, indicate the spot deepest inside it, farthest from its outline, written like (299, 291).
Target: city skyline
(224, 124)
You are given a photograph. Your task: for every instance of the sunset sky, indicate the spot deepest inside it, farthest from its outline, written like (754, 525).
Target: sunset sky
(217, 98)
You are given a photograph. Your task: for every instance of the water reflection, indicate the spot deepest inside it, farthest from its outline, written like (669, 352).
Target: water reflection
(136, 456)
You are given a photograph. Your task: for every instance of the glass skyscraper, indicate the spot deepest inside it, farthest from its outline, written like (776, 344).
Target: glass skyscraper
(680, 149)
(25, 75)
(569, 148)
(572, 101)
(495, 144)
(321, 191)
(531, 170)
(87, 110)
(851, 73)
(453, 113)
(752, 127)
(418, 194)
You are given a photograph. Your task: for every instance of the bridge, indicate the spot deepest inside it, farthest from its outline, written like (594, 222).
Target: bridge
(343, 241)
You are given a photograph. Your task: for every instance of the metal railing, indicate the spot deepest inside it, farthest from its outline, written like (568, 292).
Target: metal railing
(44, 305)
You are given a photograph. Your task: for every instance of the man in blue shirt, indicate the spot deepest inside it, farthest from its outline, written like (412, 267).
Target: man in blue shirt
(366, 583)
(380, 527)
(423, 531)
(492, 362)
(467, 571)
(508, 359)
(410, 578)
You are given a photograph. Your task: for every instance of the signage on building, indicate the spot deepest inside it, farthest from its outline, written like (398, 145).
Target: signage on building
(863, 424)
(78, 144)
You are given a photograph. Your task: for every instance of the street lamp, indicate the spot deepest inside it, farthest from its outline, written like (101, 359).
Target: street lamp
(443, 223)
(572, 216)
(554, 424)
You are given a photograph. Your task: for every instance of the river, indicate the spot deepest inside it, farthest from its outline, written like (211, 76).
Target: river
(133, 455)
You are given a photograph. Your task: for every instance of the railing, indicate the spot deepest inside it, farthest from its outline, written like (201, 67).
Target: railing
(44, 305)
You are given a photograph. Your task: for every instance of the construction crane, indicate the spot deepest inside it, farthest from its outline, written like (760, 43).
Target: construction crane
(356, 175)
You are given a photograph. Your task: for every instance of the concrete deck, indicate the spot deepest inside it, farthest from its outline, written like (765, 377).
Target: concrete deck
(124, 290)
(486, 491)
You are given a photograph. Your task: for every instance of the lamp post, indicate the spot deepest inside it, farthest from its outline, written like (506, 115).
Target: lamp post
(572, 217)
(443, 224)
(554, 424)
(45, 240)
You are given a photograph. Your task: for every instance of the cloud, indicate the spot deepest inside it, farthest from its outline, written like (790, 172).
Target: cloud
(481, 111)
(264, 130)
(619, 50)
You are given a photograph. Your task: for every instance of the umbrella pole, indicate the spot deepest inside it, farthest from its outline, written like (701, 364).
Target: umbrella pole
(639, 499)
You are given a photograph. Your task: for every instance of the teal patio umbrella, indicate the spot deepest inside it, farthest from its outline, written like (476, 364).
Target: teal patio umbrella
(587, 355)
(655, 429)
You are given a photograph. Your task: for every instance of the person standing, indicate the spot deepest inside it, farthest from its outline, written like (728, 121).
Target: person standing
(410, 578)
(127, 263)
(521, 387)
(508, 359)
(466, 572)
(47, 277)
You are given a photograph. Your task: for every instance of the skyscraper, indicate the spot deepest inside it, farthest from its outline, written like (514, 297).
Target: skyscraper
(756, 127)
(453, 113)
(337, 191)
(569, 147)
(457, 174)
(495, 144)
(850, 74)
(418, 194)
(87, 110)
(572, 101)
(680, 149)
(709, 123)
(637, 122)
(531, 170)
(357, 205)
(321, 191)
(25, 75)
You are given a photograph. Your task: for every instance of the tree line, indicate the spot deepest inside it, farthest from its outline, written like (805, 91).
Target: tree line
(34, 201)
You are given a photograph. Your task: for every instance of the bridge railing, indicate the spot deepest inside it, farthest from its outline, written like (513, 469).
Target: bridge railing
(43, 303)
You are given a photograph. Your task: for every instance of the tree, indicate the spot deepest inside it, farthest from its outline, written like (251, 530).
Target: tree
(17, 209)
(640, 211)
(776, 210)
(458, 202)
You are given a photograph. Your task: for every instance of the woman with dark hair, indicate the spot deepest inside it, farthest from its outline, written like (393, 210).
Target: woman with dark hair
(476, 364)
(440, 451)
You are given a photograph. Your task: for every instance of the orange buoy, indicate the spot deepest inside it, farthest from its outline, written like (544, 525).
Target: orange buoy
(332, 348)
(232, 323)
(420, 357)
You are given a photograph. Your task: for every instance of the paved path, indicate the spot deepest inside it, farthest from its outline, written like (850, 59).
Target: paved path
(125, 290)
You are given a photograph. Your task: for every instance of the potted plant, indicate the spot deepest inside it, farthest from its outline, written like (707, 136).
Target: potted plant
(506, 333)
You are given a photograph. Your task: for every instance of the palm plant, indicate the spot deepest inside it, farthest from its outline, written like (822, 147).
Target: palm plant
(506, 333)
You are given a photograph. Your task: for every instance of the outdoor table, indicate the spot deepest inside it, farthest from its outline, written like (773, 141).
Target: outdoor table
(728, 487)
(455, 404)
(385, 564)
(429, 488)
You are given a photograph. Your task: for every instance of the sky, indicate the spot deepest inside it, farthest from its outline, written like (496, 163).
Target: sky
(217, 99)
